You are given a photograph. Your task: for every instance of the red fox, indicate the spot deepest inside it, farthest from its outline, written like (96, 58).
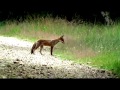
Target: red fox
(51, 43)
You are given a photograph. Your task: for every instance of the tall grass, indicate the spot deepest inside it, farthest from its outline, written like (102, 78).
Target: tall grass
(94, 44)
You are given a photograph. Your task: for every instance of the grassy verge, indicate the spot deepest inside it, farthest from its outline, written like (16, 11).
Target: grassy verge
(94, 44)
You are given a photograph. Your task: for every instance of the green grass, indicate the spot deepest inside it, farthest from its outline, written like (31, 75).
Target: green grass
(96, 44)
(108, 60)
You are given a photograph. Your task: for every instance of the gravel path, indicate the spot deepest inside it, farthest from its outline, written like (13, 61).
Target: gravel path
(17, 62)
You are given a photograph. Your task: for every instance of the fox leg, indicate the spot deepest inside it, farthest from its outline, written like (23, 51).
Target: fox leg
(51, 50)
(41, 47)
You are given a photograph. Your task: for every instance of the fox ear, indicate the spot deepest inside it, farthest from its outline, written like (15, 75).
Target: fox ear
(62, 36)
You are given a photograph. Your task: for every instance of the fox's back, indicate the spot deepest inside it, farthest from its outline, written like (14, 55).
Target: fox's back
(45, 42)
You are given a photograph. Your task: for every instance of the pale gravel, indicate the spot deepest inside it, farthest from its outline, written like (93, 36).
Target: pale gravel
(17, 62)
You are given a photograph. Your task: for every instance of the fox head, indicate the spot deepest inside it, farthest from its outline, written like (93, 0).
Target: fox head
(61, 39)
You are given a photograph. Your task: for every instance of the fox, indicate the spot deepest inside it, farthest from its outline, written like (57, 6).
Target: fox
(51, 43)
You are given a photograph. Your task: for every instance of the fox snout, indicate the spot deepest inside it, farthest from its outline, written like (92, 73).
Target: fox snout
(63, 42)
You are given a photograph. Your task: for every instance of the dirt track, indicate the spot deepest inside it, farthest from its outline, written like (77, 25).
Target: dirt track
(17, 62)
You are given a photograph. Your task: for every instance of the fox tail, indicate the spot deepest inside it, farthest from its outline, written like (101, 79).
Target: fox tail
(33, 47)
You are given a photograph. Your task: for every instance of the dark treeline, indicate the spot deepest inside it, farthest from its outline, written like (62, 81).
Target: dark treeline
(88, 11)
